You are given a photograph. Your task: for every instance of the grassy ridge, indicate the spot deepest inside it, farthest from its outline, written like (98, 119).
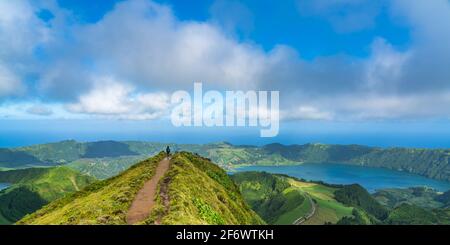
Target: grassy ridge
(104, 202)
(201, 193)
(328, 209)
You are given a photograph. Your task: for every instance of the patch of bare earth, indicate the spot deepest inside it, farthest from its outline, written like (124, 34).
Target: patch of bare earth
(164, 194)
(144, 201)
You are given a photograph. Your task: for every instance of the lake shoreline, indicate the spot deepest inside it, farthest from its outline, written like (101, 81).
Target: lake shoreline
(371, 178)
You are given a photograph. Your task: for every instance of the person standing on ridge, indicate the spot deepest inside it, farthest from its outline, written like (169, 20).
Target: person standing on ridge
(168, 151)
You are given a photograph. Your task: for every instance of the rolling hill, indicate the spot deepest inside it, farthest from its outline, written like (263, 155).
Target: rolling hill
(98, 158)
(283, 200)
(280, 199)
(196, 191)
(32, 188)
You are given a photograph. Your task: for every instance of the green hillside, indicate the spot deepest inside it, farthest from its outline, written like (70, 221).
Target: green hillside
(419, 196)
(200, 193)
(356, 196)
(32, 188)
(103, 168)
(407, 214)
(272, 197)
(431, 163)
(281, 199)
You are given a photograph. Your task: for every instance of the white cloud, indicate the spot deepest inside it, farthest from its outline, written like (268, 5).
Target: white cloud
(306, 113)
(35, 109)
(112, 99)
(145, 43)
(21, 31)
(9, 83)
(382, 107)
(149, 49)
(385, 67)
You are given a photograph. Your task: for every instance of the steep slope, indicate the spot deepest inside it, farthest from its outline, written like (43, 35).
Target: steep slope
(356, 196)
(193, 191)
(271, 197)
(32, 188)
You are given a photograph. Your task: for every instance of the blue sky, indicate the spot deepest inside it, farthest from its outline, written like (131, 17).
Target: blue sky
(348, 71)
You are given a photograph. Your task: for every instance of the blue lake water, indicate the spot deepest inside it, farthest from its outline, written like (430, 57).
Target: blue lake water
(4, 186)
(370, 178)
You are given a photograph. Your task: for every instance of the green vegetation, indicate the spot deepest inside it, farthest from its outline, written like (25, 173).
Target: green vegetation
(419, 196)
(431, 163)
(103, 168)
(35, 187)
(107, 149)
(356, 196)
(13, 159)
(200, 193)
(444, 198)
(280, 199)
(55, 153)
(407, 214)
(328, 209)
(104, 202)
(271, 197)
(277, 199)
(360, 217)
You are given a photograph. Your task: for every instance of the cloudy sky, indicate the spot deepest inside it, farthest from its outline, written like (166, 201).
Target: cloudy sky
(345, 68)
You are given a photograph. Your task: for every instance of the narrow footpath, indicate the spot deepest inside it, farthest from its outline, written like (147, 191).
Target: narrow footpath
(144, 201)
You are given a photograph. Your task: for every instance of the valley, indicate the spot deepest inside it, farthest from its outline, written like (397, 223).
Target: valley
(104, 159)
(200, 193)
(96, 183)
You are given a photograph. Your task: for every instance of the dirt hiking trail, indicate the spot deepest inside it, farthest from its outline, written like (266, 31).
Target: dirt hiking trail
(145, 199)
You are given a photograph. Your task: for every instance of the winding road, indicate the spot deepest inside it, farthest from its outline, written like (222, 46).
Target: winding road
(302, 219)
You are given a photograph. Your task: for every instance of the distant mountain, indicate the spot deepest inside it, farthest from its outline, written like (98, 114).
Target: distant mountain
(199, 191)
(107, 149)
(32, 188)
(431, 163)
